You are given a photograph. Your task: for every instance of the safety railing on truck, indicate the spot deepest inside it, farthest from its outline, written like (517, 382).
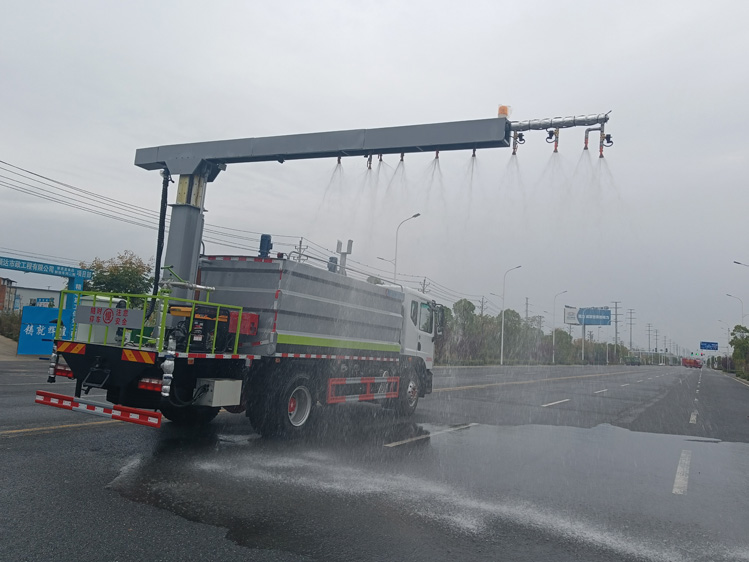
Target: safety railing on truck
(123, 320)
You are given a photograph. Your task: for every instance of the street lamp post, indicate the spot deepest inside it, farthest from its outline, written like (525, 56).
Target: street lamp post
(395, 260)
(502, 344)
(742, 304)
(554, 328)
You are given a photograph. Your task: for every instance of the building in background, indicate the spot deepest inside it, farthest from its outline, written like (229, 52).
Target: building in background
(27, 296)
(7, 294)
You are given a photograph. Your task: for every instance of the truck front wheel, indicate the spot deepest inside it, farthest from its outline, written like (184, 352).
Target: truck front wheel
(409, 394)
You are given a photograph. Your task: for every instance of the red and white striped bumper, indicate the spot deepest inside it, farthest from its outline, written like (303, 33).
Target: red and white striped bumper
(116, 412)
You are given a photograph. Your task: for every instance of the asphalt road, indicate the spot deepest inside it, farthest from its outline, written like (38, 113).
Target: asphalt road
(564, 463)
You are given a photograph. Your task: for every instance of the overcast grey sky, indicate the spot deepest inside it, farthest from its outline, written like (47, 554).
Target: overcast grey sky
(655, 225)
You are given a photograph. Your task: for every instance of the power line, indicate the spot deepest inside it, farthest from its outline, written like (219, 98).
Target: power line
(36, 255)
(77, 192)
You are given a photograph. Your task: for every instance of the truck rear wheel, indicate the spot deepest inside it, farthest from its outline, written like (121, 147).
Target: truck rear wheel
(190, 416)
(286, 412)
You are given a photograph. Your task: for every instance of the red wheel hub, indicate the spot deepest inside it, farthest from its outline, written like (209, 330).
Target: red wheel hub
(292, 405)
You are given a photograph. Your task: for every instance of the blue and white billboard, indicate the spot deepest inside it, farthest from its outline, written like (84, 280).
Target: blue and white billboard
(594, 316)
(591, 316)
(44, 268)
(709, 345)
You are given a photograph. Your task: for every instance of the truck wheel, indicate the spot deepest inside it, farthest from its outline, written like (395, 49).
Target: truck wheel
(190, 416)
(296, 400)
(287, 411)
(409, 394)
(295, 406)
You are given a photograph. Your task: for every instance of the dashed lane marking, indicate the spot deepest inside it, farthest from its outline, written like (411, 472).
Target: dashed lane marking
(420, 437)
(681, 480)
(640, 380)
(555, 403)
(624, 384)
(693, 417)
(599, 391)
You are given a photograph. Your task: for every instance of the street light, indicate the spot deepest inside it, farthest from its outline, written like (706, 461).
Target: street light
(502, 344)
(739, 263)
(554, 327)
(742, 305)
(395, 260)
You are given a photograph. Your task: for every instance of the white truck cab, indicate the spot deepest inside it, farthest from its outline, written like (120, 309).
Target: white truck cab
(420, 326)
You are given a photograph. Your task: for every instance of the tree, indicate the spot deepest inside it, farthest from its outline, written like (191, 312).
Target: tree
(464, 320)
(740, 343)
(127, 273)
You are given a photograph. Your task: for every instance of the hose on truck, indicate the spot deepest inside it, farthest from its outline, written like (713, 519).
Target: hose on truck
(167, 179)
(176, 401)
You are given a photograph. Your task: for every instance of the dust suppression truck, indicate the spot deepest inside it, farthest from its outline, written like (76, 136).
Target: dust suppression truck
(274, 337)
(271, 337)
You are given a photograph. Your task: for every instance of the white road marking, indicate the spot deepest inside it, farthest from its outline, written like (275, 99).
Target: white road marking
(640, 380)
(555, 403)
(599, 391)
(624, 384)
(682, 472)
(39, 384)
(693, 417)
(420, 437)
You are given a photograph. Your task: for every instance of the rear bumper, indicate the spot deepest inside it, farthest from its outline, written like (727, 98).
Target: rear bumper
(115, 412)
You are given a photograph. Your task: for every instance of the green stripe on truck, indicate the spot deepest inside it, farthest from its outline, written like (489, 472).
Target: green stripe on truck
(337, 344)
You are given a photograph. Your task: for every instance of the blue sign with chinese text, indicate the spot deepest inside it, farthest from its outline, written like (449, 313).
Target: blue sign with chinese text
(38, 329)
(44, 268)
(594, 316)
(709, 345)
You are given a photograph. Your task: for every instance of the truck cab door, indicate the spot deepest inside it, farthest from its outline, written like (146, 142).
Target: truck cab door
(418, 330)
(410, 326)
(425, 339)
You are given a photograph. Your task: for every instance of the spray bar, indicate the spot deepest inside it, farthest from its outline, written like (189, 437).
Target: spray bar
(560, 122)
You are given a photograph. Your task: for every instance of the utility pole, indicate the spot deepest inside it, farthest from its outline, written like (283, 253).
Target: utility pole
(616, 327)
(526, 310)
(630, 312)
(650, 327)
(300, 251)
(424, 286)
(656, 341)
(482, 306)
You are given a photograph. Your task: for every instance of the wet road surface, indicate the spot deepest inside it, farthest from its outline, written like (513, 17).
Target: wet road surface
(542, 463)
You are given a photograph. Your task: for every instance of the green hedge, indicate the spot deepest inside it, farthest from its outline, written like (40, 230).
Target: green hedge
(10, 325)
